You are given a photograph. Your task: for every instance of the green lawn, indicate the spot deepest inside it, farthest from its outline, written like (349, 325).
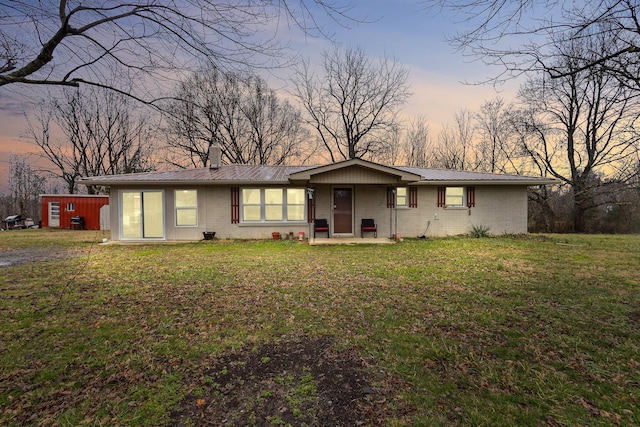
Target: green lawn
(534, 330)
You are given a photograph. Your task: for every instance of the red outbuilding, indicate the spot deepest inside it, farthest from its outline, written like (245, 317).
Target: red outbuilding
(74, 211)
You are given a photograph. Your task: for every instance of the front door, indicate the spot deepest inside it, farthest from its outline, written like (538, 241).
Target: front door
(343, 210)
(54, 214)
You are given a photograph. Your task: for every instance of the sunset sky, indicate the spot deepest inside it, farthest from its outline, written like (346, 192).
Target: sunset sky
(400, 29)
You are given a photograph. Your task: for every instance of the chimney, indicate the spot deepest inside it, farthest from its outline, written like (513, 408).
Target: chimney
(215, 156)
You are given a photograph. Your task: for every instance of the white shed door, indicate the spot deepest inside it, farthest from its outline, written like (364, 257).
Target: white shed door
(54, 214)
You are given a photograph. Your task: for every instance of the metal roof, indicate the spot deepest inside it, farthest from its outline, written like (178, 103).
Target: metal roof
(449, 176)
(224, 175)
(265, 174)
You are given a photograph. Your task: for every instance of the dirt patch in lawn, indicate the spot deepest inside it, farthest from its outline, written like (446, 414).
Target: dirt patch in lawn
(308, 381)
(12, 257)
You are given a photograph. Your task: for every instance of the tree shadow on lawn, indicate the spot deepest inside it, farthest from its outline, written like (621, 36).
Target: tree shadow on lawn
(303, 381)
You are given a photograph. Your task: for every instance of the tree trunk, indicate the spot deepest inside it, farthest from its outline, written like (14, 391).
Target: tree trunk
(580, 203)
(549, 217)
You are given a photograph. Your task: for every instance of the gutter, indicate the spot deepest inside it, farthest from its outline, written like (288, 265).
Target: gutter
(484, 182)
(89, 181)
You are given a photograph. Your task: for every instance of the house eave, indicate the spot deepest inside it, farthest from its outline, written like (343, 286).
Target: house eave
(301, 182)
(156, 183)
(73, 195)
(347, 172)
(452, 183)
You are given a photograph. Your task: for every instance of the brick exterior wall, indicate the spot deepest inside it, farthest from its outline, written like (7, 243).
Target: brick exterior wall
(501, 208)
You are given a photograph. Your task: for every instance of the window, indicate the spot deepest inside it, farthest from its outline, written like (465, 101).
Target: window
(456, 197)
(295, 204)
(186, 206)
(251, 204)
(71, 207)
(273, 199)
(401, 197)
(273, 204)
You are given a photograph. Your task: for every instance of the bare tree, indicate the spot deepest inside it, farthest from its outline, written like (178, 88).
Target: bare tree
(581, 127)
(393, 151)
(206, 111)
(25, 185)
(55, 151)
(497, 149)
(276, 131)
(521, 35)
(113, 44)
(353, 104)
(416, 143)
(455, 148)
(102, 136)
(240, 113)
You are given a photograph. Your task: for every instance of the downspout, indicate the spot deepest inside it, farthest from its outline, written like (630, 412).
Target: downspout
(395, 227)
(311, 224)
(392, 208)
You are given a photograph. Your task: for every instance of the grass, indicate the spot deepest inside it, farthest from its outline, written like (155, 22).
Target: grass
(533, 330)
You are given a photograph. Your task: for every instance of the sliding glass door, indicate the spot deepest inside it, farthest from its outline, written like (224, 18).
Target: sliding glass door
(142, 214)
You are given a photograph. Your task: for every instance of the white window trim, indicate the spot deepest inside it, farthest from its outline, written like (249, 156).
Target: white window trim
(120, 208)
(177, 208)
(464, 198)
(404, 205)
(263, 205)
